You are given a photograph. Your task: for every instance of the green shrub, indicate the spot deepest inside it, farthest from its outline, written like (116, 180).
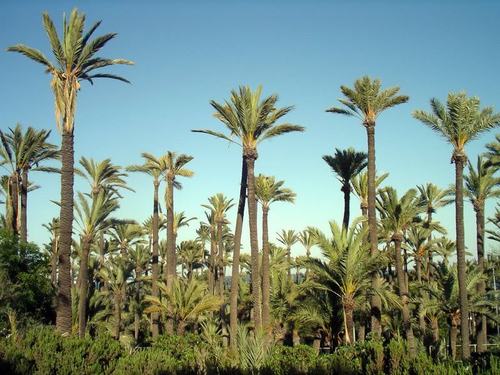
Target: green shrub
(150, 362)
(290, 360)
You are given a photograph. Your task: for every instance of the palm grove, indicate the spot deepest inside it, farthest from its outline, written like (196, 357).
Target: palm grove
(384, 271)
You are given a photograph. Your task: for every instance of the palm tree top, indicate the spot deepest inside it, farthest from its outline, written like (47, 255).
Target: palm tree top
(219, 204)
(268, 190)
(249, 119)
(433, 197)
(288, 237)
(346, 163)
(481, 183)
(367, 100)
(459, 121)
(103, 175)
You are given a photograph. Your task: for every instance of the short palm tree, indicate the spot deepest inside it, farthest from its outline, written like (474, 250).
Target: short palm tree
(250, 121)
(367, 101)
(459, 121)
(103, 175)
(156, 168)
(480, 185)
(267, 191)
(360, 186)
(288, 238)
(307, 239)
(75, 60)
(346, 164)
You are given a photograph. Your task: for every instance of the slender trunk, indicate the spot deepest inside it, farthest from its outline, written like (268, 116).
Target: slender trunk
(254, 244)
(403, 293)
(24, 205)
(435, 336)
(453, 340)
(53, 261)
(346, 189)
(118, 314)
(14, 199)
(461, 265)
(63, 307)
(375, 302)
(482, 335)
(418, 267)
(289, 260)
(349, 324)
(220, 261)
(137, 315)
(362, 330)
(155, 271)
(429, 256)
(266, 282)
(83, 278)
(235, 272)
(211, 266)
(170, 248)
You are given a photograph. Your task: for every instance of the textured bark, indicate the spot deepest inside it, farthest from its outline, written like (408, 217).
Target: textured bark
(14, 199)
(83, 278)
(63, 307)
(254, 244)
(220, 261)
(482, 335)
(24, 206)
(435, 337)
(211, 266)
(453, 340)
(170, 248)
(346, 189)
(362, 331)
(289, 260)
(266, 282)
(155, 271)
(235, 272)
(349, 325)
(137, 316)
(375, 302)
(53, 262)
(461, 265)
(403, 293)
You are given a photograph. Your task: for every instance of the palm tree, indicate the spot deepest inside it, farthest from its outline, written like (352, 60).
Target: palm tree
(493, 153)
(481, 184)
(346, 164)
(250, 120)
(219, 205)
(366, 102)
(103, 175)
(175, 167)
(288, 238)
(92, 217)
(25, 151)
(459, 122)
(267, 191)
(191, 255)
(494, 234)
(53, 228)
(308, 240)
(360, 185)
(75, 60)
(185, 302)
(139, 256)
(397, 215)
(156, 168)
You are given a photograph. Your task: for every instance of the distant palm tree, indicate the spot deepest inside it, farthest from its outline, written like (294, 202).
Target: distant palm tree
(103, 175)
(267, 191)
(480, 185)
(459, 122)
(250, 120)
(191, 255)
(360, 185)
(494, 234)
(493, 153)
(139, 257)
(156, 168)
(367, 101)
(76, 60)
(288, 238)
(307, 239)
(346, 164)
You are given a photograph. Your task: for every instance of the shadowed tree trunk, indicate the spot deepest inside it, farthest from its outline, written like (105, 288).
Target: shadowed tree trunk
(220, 261)
(266, 285)
(170, 247)
(24, 206)
(435, 337)
(346, 189)
(482, 335)
(453, 338)
(349, 322)
(63, 307)
(137, 316)
(212, 266)
(83, 278)
(235, 272)
(461, 265)
(375, 302)
(155, 325)
(14, 198)
(254, 244)
(117, 315)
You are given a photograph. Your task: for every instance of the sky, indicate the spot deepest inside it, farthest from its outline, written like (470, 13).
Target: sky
(187, 53)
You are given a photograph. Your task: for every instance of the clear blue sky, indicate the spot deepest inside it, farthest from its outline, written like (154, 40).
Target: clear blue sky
(187, 53)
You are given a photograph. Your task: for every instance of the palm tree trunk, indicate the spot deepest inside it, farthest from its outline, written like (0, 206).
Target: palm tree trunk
(375, 302)
(155, 325)
(53, 262)
(349, 324)
(83, 278)
(211, 266)
(435, 336)
(346, 189)
(118, 313)
(418, 267)
(266, 283)
(220, 260)
(24, 205)
(482, 335)
(289, 260)
(254, 244)
(170, 248)
(137, 316)
(235, 272)
(403, 293)
(461, 265)
(63, 307)
(453, 339)
(14, 199)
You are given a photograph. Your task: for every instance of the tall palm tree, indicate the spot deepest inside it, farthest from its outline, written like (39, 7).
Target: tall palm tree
(250, 121)
(156, 168)
(367, 101)
(397, 215)
(459, 122)
(267, 191)
(480, 185)
(346, 164)
(288, 238)
(175, 168)
(219, 205)
(92, 217)
(360, 185)
(75, 60)
(26, 151)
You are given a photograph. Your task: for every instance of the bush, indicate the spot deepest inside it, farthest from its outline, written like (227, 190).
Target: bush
(291, 360)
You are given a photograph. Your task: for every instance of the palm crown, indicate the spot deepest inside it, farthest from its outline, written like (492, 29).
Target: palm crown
(268, 190)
